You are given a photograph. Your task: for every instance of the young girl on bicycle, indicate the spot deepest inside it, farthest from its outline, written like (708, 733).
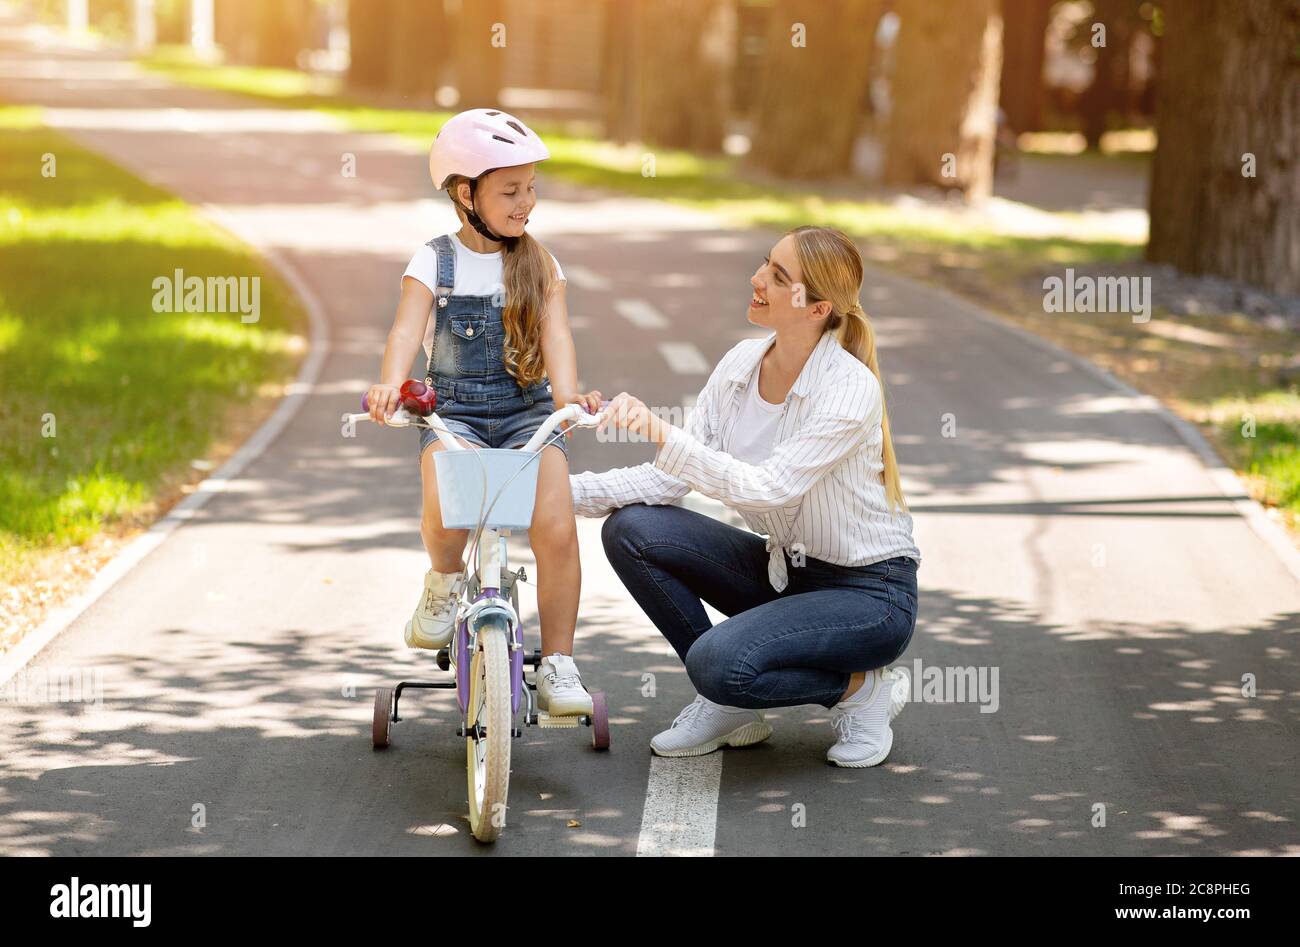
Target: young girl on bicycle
(500, 358)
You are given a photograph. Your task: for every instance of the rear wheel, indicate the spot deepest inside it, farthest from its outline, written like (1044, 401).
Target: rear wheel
(487, 740)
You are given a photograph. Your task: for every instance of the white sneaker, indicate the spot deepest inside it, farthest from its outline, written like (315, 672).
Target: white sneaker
(435, 617)
(862, 721)
(704, 726)
(559, 687)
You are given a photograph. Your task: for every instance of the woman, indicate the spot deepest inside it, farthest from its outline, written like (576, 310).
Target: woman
(790, 431)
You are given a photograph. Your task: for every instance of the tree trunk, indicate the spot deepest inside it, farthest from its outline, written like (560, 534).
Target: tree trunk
(1230, 89)
(618, 72)
(684, 56)
(663, 84)
(418, 47)
(1108, 91)
(813, 86)
(943, 117)
(369, 28)
(480, 57)
(281, 27)
(1023, 52)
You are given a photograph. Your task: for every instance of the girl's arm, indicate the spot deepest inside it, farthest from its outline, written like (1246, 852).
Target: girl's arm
(403, 342)
(559, 355)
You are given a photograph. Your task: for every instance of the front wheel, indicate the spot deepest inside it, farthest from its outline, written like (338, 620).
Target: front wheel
(487, 738)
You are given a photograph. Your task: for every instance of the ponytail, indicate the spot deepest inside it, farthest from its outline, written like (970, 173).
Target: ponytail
(832, 271)
(857, 337)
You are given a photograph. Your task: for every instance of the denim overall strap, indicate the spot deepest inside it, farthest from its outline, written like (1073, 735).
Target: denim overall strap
(446, 256)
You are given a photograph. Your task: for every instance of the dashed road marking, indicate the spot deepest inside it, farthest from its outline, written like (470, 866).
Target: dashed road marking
(684, 358)
(640, 313)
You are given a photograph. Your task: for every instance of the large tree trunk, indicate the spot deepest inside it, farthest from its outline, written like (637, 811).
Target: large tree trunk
(811, 100)
(945, 92)
(281, 28)
(480, 59)
(369, 30)
(418, 47)
(618, 72)
(684, 71)
(664, 84)
(1108, 92)
(1023, 52)
(1230, 88)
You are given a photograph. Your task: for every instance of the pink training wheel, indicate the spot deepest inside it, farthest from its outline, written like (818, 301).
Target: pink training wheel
(599, 721)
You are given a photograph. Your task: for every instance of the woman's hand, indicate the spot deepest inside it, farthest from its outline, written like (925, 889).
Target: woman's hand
(631, 414)
(383, 400)
(590, 402)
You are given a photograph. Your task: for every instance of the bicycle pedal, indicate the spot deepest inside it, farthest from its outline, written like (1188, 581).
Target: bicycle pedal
(547, 721)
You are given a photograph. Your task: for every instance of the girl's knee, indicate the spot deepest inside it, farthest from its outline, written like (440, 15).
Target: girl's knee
(557, 534)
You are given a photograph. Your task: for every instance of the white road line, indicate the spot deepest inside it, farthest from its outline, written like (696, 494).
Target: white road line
(684, 358)
(640, 313)
(681, 807)
(585, 278)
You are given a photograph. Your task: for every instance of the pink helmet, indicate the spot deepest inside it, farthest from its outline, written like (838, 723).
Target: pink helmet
(480, 140)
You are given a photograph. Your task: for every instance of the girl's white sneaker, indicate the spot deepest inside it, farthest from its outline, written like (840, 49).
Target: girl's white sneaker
(559, 687)
(862, 721)
(435, 617)
(704, 726)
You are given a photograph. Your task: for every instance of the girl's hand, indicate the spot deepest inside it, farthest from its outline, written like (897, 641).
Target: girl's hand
(383, 401)
(631, 414)
(590, 403)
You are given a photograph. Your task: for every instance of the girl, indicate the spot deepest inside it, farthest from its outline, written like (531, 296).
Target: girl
(500, 358)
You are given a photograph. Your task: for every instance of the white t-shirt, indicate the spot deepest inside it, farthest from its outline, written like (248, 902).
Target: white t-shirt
(477, 274)
(755, 428)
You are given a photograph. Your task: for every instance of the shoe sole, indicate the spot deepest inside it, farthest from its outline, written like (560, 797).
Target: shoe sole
(426, 644)
(897, 701)
(753, 732)
(565, 711)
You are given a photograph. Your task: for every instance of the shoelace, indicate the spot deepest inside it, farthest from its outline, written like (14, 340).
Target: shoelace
(694, 709)
(563, 680)
(439, 608)
(843, 725)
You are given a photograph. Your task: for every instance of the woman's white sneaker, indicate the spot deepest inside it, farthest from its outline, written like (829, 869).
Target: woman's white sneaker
(704, 726)
(862, 721)
(435, 617)
(559, 687)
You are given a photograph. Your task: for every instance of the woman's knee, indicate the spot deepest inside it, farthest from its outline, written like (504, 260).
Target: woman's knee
(714, 671)
(623, 533)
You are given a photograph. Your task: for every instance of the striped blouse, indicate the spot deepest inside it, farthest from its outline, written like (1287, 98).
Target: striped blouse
(819, 493)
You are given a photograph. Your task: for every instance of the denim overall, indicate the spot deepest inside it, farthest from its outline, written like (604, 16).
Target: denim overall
(478, 399)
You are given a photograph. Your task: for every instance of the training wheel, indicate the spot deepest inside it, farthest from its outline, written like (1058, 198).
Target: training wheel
(383, 722)
(599, 721)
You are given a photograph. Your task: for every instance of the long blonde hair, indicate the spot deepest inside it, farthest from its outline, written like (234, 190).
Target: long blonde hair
(832, 271)
(529, 276)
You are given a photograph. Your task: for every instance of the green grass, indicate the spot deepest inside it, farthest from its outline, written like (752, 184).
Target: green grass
(131, 395)
(1270, 454)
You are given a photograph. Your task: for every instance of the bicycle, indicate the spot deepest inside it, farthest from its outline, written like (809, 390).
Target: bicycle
(489, 639)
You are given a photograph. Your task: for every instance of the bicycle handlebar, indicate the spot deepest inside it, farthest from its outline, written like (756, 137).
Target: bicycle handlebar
(570, 412)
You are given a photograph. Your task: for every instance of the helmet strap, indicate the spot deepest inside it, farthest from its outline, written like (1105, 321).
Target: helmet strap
(478, 223)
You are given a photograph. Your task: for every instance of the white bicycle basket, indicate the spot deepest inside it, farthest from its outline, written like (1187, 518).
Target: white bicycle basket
(460, 487)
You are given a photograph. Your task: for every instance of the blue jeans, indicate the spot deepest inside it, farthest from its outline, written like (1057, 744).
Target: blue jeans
(776, 649)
